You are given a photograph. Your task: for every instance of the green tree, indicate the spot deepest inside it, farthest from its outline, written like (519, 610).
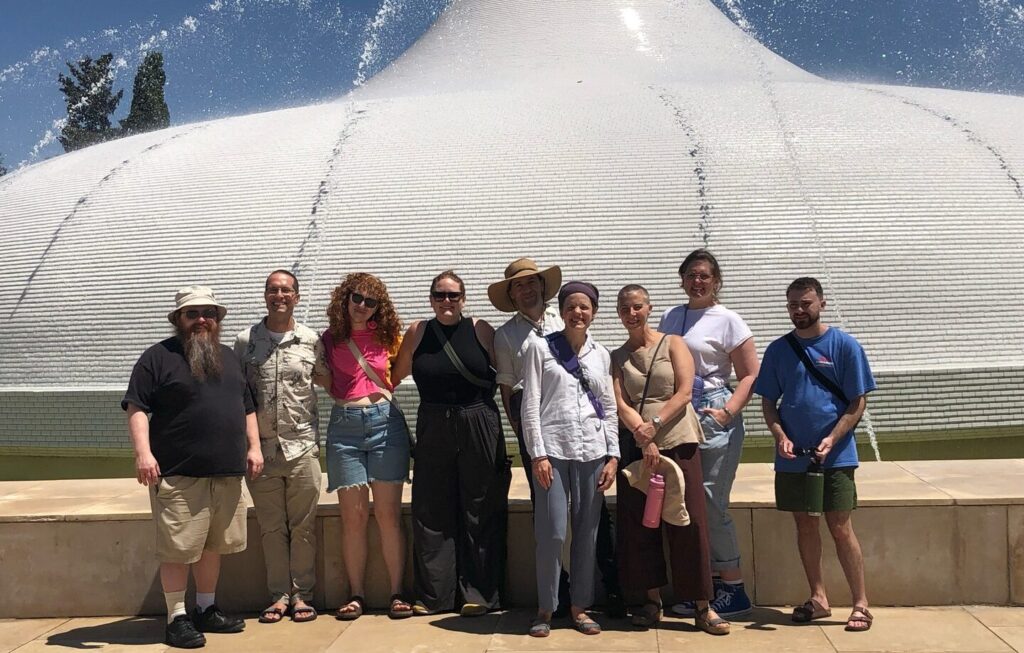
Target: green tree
(90, 98)
(149, 110)
(3, 168)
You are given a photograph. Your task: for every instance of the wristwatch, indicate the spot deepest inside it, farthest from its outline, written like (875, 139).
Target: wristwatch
(656, 420)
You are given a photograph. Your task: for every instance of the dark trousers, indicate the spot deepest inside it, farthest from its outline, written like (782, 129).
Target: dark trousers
(459, 506)
(605, 530)
(641, 553)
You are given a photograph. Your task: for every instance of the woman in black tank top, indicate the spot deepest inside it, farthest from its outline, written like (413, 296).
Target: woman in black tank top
(461, 480)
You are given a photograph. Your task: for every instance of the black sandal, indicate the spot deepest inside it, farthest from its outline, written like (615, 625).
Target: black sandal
(399, 612)
(272, 615)
(351, 615)
(648, 615)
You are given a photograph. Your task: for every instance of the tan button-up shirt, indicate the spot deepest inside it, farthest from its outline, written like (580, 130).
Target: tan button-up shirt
(282, 374)
(511, 340)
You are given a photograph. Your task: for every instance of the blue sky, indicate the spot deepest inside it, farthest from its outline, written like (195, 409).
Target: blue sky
(226, 57)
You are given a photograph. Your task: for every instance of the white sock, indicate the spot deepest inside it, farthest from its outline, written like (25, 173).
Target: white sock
(733, 582)
(175, 604)
(204, 600)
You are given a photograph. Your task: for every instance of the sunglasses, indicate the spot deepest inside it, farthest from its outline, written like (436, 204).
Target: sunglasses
(368, 302)
(441, 295)
(208, 313)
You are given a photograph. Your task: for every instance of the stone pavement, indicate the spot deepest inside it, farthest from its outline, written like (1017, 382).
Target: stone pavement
(974, 629)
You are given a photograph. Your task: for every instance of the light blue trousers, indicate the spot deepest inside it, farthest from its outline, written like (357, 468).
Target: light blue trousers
(720, 457)
(573, 493)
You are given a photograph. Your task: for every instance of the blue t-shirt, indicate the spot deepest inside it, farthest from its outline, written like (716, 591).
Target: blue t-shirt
(808, 409)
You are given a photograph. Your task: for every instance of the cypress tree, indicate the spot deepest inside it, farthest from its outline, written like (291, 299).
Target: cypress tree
(90, 99)
(149, 110)
(3, 168)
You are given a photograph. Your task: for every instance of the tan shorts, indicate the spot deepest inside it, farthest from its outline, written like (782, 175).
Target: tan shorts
(197, 514)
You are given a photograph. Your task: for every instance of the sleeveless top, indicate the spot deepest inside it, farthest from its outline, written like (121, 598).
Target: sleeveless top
(635, 365)
(436, 377)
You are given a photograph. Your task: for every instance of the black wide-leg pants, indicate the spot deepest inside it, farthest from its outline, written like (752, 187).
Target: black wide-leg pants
(459, 506)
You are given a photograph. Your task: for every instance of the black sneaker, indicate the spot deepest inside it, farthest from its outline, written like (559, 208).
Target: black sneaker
(212, 620)
(182, 633)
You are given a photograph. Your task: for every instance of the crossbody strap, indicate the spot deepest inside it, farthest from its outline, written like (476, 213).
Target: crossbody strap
(647, 383)
(370, 372)
(456, 361)
(567, 358)
(829, 384)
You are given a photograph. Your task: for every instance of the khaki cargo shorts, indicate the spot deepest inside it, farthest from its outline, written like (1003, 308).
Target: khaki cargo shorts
(196, 514)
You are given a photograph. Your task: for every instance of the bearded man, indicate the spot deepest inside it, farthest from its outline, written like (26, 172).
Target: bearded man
(192, 422)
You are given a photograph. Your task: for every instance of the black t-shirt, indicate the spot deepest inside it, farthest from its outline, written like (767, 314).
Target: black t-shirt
(438, 380)
(196, 429)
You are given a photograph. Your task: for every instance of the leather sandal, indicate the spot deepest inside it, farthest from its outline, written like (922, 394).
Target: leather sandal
(540, 627)
(346, 614)
(303, 613)
(399, 608)
(586, 625)
(860, 613)
(810, 611)
(716, 626)
(648, 615)
(273, 615)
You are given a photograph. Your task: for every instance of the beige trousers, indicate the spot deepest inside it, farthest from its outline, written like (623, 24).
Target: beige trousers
(286, 495)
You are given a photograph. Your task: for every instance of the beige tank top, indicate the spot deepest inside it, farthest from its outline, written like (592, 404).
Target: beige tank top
(635, 366)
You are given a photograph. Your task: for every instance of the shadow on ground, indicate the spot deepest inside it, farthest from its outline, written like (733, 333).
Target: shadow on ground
(131, 630)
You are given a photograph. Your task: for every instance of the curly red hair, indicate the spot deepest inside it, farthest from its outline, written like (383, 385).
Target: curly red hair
(389, 328)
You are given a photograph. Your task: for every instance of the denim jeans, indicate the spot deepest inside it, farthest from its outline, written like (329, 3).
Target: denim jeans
(720, 456)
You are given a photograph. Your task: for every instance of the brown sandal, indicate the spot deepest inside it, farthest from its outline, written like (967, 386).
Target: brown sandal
(648, 615)
(865, 617)
(346, 614)
(716, 626)
(810, 611)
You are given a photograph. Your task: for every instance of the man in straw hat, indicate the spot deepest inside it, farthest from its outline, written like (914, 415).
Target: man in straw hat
(526, 291)
(192, 453)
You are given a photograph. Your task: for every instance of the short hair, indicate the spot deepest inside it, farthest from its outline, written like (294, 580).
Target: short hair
(448, 274)
(709, 258)
(295, 279)
(803, 284)
(632, 288)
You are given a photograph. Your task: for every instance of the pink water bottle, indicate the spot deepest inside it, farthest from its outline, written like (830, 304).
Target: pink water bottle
(655, 499)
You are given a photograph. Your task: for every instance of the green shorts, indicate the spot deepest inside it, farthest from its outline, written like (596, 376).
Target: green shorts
(840, 490)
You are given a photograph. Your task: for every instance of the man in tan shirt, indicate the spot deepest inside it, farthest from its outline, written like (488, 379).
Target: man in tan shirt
(278, 355)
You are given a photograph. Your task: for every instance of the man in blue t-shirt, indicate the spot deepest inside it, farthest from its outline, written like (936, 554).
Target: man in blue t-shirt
(822, 377)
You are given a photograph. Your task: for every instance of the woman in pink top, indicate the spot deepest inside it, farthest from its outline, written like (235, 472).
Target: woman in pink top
(367, 440)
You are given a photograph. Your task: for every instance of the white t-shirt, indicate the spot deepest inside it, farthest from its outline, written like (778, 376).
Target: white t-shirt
(711, 334)
(277, 337)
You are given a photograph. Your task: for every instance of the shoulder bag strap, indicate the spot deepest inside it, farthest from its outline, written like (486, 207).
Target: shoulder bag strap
(647, 383)
(370, 372)
(801, 353)
(456, 361)
(567, 358)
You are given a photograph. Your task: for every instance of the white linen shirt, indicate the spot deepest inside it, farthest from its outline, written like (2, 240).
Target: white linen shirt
(558, 419)
(511, 339)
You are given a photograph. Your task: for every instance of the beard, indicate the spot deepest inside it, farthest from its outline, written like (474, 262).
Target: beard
(806, 321)
(202, 351)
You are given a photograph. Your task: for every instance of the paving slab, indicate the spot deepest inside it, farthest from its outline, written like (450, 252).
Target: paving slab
(765, 629)
(995, 616)
(318, 635)
(918, 630)
(616, 635)
(973, 482)
(1012, 635)
(888, 484)
(379, 634)
(15, 632)
(108, 634)
(754, 486)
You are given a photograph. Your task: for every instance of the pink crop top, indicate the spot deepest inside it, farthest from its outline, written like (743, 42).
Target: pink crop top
(348, 381)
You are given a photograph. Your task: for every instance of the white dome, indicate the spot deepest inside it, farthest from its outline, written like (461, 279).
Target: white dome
(608, 136)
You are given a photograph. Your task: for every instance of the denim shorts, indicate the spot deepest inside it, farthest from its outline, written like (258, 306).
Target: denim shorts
(366, 444)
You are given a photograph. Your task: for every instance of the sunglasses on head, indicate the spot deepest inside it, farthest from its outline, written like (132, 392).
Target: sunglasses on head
(208, 313)
(368, 302)
(441, 295)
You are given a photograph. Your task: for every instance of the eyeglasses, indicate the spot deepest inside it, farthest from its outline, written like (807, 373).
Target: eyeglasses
(368, 302)
(441, 295)
(287, 292)
(208, 313)
(692, 276)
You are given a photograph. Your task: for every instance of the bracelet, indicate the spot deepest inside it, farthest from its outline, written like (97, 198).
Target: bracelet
(728, 412)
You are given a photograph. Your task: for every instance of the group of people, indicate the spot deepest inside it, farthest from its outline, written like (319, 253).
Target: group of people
(660, 408)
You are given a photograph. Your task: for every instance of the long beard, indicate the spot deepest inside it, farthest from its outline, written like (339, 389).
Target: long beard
(203, 353)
